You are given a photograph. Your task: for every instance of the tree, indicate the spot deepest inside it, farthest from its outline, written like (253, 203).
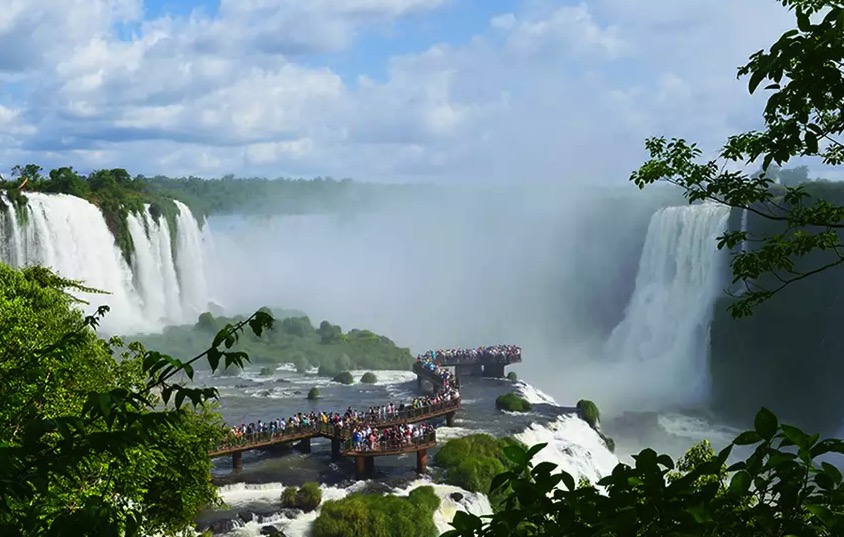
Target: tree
(803, 117)
(92, 445)
(777, 490)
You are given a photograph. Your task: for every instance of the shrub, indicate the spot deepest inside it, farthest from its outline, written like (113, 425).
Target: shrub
(309, 496)
(512, 403)
(512, 376)
(471, 462)
(313, 394)
(267, 371)
(379, 514)
(344, 378)
(589, 412)
(288, 497)
(369, 378)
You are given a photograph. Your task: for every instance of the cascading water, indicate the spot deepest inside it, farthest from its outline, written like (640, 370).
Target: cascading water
(661, 346)
(152, 264)
(70, 235)
(190, 266)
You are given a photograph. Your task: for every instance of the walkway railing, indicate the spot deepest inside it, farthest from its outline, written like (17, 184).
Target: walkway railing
(290, 434)
(388, 447)
(484, 358)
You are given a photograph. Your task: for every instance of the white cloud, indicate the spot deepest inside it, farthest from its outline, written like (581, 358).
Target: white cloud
(548, 91)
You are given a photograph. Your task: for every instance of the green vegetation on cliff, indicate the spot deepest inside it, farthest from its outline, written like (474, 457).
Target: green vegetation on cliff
(313, 394)
(292, 340)
(512, 402)
(114, 191)
(368, 378)
(589, 412)
(384, 515)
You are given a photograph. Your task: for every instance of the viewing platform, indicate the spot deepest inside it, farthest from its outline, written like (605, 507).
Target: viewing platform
(480, 362)
(341, 438)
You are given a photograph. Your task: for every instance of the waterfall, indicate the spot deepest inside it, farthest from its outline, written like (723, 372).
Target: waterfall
(69, 234)
(661, 346)
(190, 266)
(152, 264)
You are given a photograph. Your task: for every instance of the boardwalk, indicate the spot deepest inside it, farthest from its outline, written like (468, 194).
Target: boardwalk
(340, 437)
(476, 362)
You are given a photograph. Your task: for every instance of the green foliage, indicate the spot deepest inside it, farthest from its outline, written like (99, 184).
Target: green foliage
(313, 393)
(292, 340)
(288, 497)
(329, 333)
(512, 402)
(267, 371)
(803, 118)
(307, 497)
(297, 326)
(473, 461)
(379, 514)
(344, 378)
(369, 378)
(589, 412)
(777, 490)
(512, 377)
(94, 446)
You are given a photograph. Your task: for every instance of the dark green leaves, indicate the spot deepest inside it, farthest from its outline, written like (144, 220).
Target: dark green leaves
(765, 424)
(771, 492)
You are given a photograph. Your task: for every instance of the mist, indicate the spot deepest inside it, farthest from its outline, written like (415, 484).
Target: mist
(549, 268)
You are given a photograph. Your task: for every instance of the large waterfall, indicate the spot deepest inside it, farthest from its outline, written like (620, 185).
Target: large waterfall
(69, 234)
(661, 346)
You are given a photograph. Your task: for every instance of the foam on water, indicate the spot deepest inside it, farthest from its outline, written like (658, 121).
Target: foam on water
(573, 445)
(533, 395)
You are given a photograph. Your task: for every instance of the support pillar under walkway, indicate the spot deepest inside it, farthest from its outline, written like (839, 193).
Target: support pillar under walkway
(494, 370)
(304, 445)
(237, 460)
(365, 466)
(422, 461)
(449, 419)
(335, 448)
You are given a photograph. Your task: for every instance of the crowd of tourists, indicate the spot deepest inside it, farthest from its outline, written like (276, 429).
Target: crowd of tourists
(368, 438)
(487, 354)
(380, 418)
(450, 384)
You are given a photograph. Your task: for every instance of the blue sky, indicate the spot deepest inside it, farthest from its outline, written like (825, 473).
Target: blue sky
(388, 90)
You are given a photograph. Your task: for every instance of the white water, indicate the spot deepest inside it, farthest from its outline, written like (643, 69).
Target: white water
(573, 446)
(70, 235)
(152, 263)
(660, 349)
(190, 263)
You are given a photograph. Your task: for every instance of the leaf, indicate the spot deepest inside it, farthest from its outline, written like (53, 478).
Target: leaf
(747, 438)
(832, 472)
(516, 454)
(740, 483)
(766, 424)
(755, 79)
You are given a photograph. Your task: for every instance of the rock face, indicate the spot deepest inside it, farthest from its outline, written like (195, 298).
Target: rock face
(456, 496)
(272, 531)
